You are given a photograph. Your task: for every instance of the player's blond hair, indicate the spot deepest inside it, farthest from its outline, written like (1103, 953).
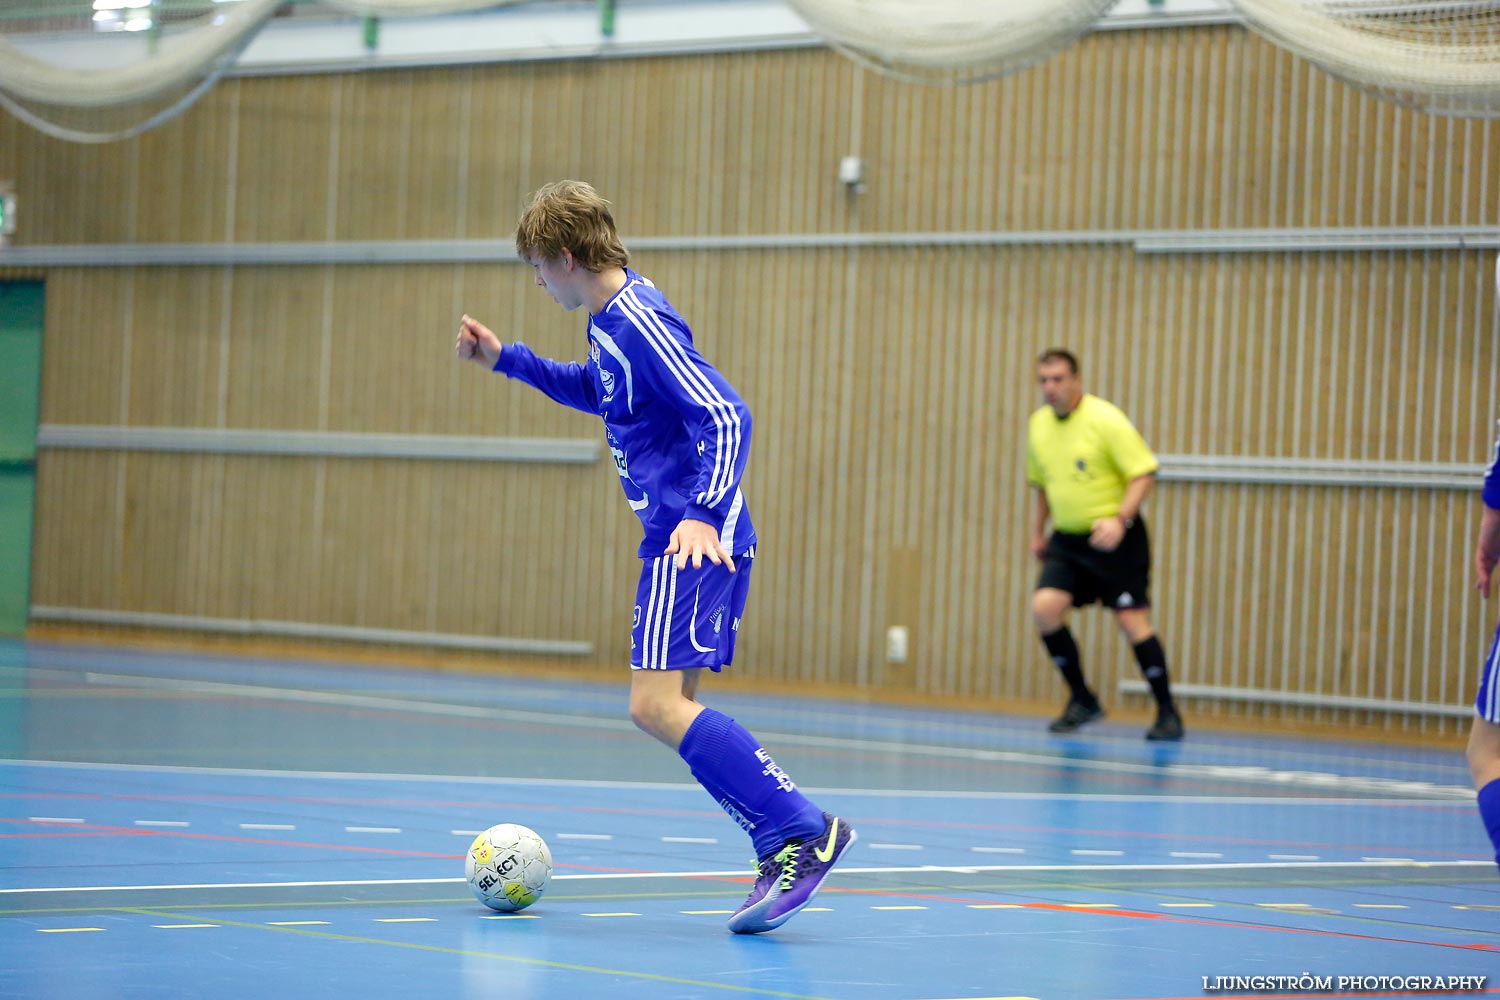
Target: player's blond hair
(570, 215)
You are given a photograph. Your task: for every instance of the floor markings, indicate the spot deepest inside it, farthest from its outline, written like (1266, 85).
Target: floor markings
(609, 914)
(898, 907)
(1381, 906)
(67, 930)
(705, 913)
(1196, 854)
(895, 847)
(181, 927)
(690, 840)
(998, 850)
(406, 920)
(585, 836)
(1293, 857)
(161, 822)
(54, 819)
(1100, 854)
(267, 826)
(296, 923)
(372, 829)
(1185, 905)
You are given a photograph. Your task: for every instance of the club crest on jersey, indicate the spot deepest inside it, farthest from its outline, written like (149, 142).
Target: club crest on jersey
(605, 375)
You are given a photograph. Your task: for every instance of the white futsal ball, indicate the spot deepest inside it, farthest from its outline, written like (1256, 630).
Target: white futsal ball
(508, 867)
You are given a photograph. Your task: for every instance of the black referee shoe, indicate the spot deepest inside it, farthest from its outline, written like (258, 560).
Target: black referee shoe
(1075, 714)
(1168, 726)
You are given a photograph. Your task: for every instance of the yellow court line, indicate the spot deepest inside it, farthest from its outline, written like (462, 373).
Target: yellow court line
(406, 920)
(180, 927)
(67, 930)
(996, 906)
(705, 913)
(1382, 906)
(1209, 905)
(297, 923)
(439, 949)
(510, 916)
(609, 914)
(898, 907)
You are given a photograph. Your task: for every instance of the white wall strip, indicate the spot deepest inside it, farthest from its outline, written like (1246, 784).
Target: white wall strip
(1278, 240)
(309, 630)
(1318, 472)
(1262, 696)
(318, 444)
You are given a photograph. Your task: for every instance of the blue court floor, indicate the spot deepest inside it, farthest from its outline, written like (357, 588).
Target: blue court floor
(196, 826)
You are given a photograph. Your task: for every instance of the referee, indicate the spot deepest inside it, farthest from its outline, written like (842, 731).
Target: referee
(1092, 471)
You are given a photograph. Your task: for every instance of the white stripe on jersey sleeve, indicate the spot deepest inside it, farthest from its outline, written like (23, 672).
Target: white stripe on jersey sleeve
(698, 387)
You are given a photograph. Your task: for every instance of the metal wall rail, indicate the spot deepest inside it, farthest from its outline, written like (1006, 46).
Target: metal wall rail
(318, 444)
(310, 630)
(1274, 240)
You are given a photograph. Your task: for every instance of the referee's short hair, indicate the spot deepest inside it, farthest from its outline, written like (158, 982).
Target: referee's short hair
(1059, 354)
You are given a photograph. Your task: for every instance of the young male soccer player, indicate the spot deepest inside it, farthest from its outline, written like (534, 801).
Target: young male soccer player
(680, 436)
(1092, 471)
(1484, 737)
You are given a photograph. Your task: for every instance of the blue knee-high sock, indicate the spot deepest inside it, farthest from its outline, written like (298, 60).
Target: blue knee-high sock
(747, 784)
(1489, 811)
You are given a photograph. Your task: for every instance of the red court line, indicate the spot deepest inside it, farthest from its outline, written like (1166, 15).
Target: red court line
(1168, 918)
(1311, 996)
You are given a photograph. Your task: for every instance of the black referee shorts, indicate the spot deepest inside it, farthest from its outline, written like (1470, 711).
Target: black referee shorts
(1118, 579)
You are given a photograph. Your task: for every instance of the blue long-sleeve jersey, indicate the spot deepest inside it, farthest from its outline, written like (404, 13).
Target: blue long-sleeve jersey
(679, 433)
(1492, 480)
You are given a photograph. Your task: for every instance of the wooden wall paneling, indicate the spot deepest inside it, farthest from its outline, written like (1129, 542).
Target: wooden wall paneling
(277, 356)
(184, 189)
(287, 149)
(177, 373)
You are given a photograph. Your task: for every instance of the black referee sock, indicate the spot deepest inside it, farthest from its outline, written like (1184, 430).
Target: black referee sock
(1064, 653)
(1153, 661)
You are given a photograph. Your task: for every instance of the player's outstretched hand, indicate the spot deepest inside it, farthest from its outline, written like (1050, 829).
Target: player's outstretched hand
(477, 343)
(694, 540)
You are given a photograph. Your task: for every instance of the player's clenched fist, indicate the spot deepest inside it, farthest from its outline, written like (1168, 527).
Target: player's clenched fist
(477, 343)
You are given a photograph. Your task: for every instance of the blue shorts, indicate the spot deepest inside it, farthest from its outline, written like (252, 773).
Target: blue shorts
(1487, 702)
(690, 617)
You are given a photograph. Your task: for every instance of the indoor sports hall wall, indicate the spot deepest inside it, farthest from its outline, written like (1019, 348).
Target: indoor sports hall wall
(1273, 274)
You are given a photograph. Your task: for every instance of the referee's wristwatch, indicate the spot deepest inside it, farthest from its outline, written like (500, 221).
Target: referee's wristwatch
(1129, 522)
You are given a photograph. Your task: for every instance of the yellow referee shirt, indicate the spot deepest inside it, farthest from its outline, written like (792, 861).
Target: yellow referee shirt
(1084, 460)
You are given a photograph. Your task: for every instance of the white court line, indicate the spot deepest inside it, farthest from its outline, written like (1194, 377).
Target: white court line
(740, 873)
(267, 826)
(372, 829)
(161, 822)
(1226, 772)
(690, 840)
(53, 819)
(584, 836)
(1196, 854)
(696, 789)
(895, 847)
(998, 850)
(465, 833)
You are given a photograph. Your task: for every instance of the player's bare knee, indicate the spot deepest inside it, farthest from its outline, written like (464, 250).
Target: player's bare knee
(1049, 613)
(646, 712)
